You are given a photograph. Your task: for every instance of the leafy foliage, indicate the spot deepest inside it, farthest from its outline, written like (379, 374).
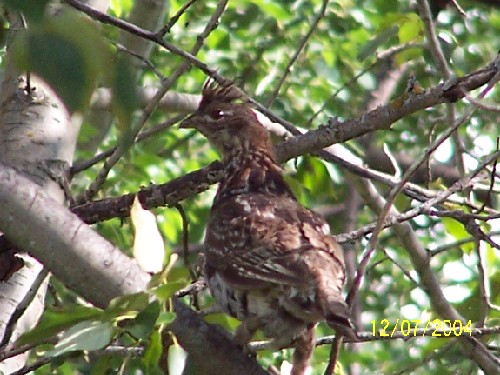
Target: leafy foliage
(336, 74)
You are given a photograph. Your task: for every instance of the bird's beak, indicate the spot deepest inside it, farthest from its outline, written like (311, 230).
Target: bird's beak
(188, 123)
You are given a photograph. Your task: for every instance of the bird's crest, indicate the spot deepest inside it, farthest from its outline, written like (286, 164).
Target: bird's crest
(213, 92)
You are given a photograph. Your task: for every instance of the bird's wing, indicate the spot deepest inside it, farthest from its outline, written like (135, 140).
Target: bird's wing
(254, 241)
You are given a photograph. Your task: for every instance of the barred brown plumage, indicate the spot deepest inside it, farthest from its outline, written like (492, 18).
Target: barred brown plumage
(269, 261)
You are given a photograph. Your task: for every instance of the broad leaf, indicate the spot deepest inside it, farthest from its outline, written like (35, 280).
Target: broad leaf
(88, 335)
(54, 322)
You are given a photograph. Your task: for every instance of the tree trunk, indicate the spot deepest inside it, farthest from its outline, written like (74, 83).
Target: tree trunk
(38, 140)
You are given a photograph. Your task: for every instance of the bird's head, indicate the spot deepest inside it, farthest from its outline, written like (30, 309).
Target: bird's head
(229, 123)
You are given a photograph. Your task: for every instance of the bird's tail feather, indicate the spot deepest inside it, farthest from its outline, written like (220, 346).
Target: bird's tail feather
(337, 314)
(342, 326)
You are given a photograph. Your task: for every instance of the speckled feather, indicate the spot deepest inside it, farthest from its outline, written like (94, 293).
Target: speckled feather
(269, 261)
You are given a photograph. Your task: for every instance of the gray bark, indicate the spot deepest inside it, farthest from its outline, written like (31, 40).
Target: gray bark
(38, 140)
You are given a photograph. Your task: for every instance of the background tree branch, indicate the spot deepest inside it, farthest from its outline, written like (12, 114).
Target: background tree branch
(377, 119)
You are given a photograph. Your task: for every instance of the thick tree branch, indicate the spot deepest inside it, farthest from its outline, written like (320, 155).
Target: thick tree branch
(194, 334)
(152, 196)
(383, 117)
(171, 102)
(71, 250)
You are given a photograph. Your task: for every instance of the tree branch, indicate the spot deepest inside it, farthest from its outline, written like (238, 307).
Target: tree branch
(368, 336)
(78, 256)
(420, 259)
(378, 119)
(383, 117)
(153, 196)
(193, 334)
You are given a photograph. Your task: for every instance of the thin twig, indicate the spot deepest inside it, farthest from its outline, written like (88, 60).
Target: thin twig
(390, 52)
(334, 354)
(185, 239)
(459, 9)
(121, 48)
(102, 175)
(462, 216)
(492, 181)
(368, 336)
(482, 105)
(423, 209)
(146, 34)
(298, 51)
(475, 230)
(482, 285)
(380, 57)
(392, 196)
(443, 67)
(86, 164)
(10, 353)
(410, 369)
(167, 84)
(402, 269)
(83, 165)
(32, 367)
(432, 40)
(457, 244)
(173, 20)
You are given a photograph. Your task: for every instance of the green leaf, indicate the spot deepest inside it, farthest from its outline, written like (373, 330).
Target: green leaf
(402, 202)
(339, 369)
(145, 321)
(408, 55)
(411, 29)
(32, 10)
(153, 352)
(273, 9)
(457, 230)
(370, 48)
(62, 68)
(69, 62)
(127, 306)
(166, 317)
(120, 7)
(102, 365)
(88, 335)
(166, 291)
(55, 321)
(124, 89)
(222, 319)
(178, 274)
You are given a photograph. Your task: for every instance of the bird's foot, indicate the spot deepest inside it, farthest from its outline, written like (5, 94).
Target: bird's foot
(192, 289)
(212, 309)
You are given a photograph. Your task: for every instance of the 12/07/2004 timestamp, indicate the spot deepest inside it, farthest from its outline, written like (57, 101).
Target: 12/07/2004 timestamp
(416, 327)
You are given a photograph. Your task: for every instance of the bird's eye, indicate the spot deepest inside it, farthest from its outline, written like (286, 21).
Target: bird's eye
(217, 114)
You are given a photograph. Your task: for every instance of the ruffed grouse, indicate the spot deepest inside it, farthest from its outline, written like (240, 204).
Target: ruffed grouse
(269, 261)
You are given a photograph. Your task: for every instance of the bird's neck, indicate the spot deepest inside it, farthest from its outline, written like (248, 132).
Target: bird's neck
(253, 171)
